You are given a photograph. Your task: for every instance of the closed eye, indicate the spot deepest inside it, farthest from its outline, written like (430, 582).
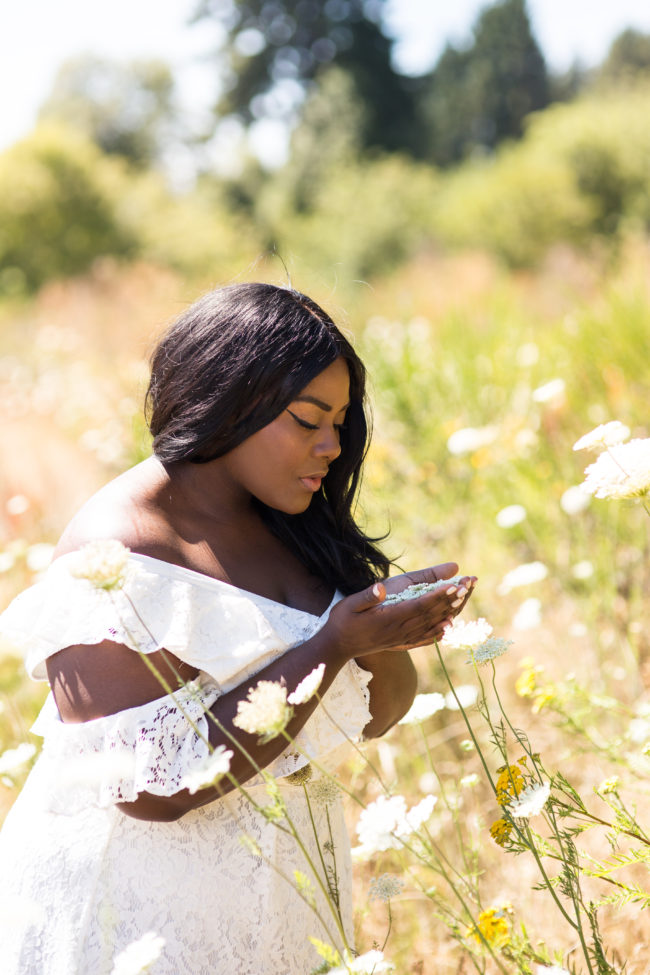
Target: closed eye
(303, 423)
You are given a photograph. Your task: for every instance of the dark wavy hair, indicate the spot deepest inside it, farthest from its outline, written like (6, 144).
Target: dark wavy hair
(228, 367)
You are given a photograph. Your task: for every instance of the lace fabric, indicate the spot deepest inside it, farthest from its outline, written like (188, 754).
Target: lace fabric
(81, 880)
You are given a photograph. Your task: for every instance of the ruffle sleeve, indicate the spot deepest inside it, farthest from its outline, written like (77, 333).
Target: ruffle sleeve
(208, 624)
(153, 748)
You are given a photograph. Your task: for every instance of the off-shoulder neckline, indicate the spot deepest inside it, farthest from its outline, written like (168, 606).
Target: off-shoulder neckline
(200, 578)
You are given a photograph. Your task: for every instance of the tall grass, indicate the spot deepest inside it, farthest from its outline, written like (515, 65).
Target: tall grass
(523, 364)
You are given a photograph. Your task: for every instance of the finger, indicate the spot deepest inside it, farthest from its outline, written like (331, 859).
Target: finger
(433, 573)
(372, 596)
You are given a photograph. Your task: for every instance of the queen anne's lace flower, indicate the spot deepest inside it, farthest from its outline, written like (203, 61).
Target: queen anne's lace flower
(370, 963)
(265, 712)
(384, 887)
(466, 694)
(324, 790)
(510, 516)
(466, 636)
(308, 686)
(493, 647)
(103, 563)
(530, 801)
(423, 707)
(605, 435)
(523, 575)
(622, 472)
(139, 956)
(215, 766)
(420, 589)
(385, 822)
(470, 439)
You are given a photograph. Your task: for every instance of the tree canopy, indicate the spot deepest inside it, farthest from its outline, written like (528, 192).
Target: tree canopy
(275, 49)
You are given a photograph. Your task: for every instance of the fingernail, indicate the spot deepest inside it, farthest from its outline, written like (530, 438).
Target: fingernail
(456, 603)
(451, 591)
(462, 592)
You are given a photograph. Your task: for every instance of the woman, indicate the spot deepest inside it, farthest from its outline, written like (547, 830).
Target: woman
(245, 563)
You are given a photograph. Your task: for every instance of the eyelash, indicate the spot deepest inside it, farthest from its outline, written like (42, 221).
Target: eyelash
(313, 426)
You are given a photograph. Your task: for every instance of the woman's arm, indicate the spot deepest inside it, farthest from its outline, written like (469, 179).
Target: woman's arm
(90, 682)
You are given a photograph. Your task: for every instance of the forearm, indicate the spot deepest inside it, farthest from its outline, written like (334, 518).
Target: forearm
(392, 689)
(249, 755)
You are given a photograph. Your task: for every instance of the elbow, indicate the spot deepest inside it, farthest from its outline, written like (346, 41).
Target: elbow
(169, 809)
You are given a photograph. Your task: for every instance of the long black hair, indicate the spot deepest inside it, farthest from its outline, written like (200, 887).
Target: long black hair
(228, 367)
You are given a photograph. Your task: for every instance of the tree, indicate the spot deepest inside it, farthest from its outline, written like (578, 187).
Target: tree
(275, 50)
(628, 57)
(476, 97)
(127, 109)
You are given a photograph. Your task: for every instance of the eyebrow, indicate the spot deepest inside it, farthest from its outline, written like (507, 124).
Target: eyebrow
(319, 403)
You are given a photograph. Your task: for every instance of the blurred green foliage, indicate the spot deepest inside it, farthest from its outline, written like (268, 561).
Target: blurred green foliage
(580, 176)
(59, 200)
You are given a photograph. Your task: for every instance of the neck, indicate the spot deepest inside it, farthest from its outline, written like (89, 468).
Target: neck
(205, 490)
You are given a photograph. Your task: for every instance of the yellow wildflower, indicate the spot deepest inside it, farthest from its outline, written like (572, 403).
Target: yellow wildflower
(493, 926)
(500, 831)
(544, 698)
(509, 784)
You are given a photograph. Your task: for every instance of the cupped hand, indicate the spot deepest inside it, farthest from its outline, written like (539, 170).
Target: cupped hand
(361, 623)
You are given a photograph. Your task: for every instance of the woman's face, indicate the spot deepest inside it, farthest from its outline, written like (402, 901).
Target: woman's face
(283, 464)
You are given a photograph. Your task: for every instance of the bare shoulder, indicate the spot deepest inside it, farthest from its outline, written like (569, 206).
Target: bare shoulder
(126, 509)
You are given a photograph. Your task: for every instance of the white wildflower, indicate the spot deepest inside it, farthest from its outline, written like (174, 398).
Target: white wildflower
(605, 435)
(467, 695)
(423, 707)
(384, 887)
(370, 963)
(386, 821)
(578, 629)
(527, 354)
(551, 970)
(529, 614)
(463, 635)
(550, 392)
(324, 790)
(530, 801)
(583, 569)
(493, 647)
(17, 504)
(469, 781)
(39, 556)
(103, 563)
(139, 956)
(420, 589)
(639, 730)
(622, 472)
(13, 758)
(469, 439)
(308, 686)
(523, 575)
(7, 561)
(510, 516)
(210, 771)
(265, 712)
(575, 499)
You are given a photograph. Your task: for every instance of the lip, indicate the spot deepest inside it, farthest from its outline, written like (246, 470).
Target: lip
(313, 482)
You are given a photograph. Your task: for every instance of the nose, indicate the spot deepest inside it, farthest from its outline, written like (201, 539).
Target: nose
(329, 445)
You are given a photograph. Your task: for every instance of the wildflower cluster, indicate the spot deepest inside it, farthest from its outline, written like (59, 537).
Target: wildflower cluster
(492, 926)
(623, 469)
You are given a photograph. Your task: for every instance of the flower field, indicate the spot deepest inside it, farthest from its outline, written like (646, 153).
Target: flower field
(501, 827)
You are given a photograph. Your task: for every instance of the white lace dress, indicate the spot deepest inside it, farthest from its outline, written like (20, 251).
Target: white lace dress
(80, 881)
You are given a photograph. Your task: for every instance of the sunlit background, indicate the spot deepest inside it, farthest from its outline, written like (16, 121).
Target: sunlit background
(466, 188)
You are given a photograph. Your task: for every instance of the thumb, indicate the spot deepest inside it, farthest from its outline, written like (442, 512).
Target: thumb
(367, 598)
